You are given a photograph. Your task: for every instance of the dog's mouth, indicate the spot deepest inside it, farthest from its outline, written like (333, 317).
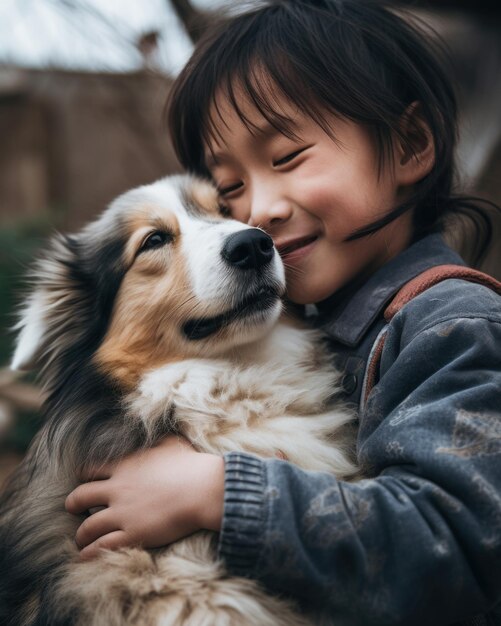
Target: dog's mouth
(256, 302)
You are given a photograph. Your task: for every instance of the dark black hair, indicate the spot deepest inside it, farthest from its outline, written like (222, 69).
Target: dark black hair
(354, 58)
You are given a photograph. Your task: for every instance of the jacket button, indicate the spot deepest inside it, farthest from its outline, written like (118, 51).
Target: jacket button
(349, 383)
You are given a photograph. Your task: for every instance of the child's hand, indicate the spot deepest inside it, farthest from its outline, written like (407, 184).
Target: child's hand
(152, 497)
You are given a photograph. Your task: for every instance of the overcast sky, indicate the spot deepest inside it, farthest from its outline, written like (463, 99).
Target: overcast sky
(59, 33)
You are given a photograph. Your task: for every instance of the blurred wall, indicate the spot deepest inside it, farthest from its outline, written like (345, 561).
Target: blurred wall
(72, 141)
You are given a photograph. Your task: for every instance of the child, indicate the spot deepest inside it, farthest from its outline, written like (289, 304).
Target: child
(332, 127)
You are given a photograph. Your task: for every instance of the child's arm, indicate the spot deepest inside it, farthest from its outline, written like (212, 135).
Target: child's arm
(421, 542)
(152, 497)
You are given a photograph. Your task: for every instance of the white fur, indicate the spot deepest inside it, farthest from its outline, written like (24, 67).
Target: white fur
(32, 329)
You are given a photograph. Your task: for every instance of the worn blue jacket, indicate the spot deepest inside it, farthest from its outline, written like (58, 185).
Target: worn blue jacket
(419, 540)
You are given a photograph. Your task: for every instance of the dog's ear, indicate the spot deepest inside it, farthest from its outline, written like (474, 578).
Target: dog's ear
(32, 328)
(41, 311)
(74, 286)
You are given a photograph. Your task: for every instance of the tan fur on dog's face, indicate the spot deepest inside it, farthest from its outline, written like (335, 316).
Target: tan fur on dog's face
(146, 315)
(158, 293)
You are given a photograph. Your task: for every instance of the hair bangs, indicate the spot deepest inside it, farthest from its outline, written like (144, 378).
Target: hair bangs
(266, 86)
(323, 58)
(258, 66)
(360, 60)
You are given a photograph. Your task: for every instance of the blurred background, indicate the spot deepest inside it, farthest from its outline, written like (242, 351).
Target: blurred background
(82, 89)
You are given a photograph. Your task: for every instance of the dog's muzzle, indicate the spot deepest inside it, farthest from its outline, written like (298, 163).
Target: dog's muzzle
(252, 251)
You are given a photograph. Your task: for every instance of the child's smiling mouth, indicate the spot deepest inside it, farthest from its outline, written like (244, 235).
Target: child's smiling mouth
(292, 248)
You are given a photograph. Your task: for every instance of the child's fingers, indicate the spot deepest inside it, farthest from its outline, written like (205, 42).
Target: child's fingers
(111, 541)
(96, 526)
(87, 496)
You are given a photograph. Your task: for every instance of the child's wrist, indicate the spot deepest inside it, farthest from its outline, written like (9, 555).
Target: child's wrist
(210, 504)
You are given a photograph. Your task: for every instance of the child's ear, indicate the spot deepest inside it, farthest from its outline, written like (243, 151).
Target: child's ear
(414, 147)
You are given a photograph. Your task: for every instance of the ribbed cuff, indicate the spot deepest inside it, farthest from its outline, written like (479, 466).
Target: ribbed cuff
(243, 525)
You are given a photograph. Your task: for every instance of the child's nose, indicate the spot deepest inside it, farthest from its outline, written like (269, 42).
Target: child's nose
(268, 212)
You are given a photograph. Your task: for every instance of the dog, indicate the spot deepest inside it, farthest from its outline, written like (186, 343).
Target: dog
(162, 316)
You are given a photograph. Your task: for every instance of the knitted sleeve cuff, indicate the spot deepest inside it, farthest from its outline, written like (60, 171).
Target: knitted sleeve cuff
(244, 518)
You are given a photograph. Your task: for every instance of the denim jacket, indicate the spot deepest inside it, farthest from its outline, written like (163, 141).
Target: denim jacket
(419, 540)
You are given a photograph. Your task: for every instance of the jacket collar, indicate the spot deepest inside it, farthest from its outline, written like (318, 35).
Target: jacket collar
(348, 319)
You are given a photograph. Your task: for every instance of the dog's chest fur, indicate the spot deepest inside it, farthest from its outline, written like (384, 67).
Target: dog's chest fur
(275, 400)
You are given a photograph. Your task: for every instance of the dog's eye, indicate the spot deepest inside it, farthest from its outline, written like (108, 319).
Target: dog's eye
(156, 239)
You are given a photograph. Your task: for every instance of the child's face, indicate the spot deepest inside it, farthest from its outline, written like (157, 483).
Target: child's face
(310, 194)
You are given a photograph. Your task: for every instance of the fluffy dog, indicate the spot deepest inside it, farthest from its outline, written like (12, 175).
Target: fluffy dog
(160, 317)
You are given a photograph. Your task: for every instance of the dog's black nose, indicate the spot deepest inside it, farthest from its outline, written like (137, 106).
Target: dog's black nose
(248, 249)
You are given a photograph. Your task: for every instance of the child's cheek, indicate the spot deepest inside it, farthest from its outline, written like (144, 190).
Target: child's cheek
(335, 209)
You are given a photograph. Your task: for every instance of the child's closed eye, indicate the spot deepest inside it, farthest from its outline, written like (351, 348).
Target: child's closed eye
(289, 157)
(225, 191)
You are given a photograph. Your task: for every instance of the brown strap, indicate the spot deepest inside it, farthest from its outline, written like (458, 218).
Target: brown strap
(435, 275)
(373, 366)
(413, 288)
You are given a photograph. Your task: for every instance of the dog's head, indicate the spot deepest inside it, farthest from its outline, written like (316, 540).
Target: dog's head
(161, 275)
